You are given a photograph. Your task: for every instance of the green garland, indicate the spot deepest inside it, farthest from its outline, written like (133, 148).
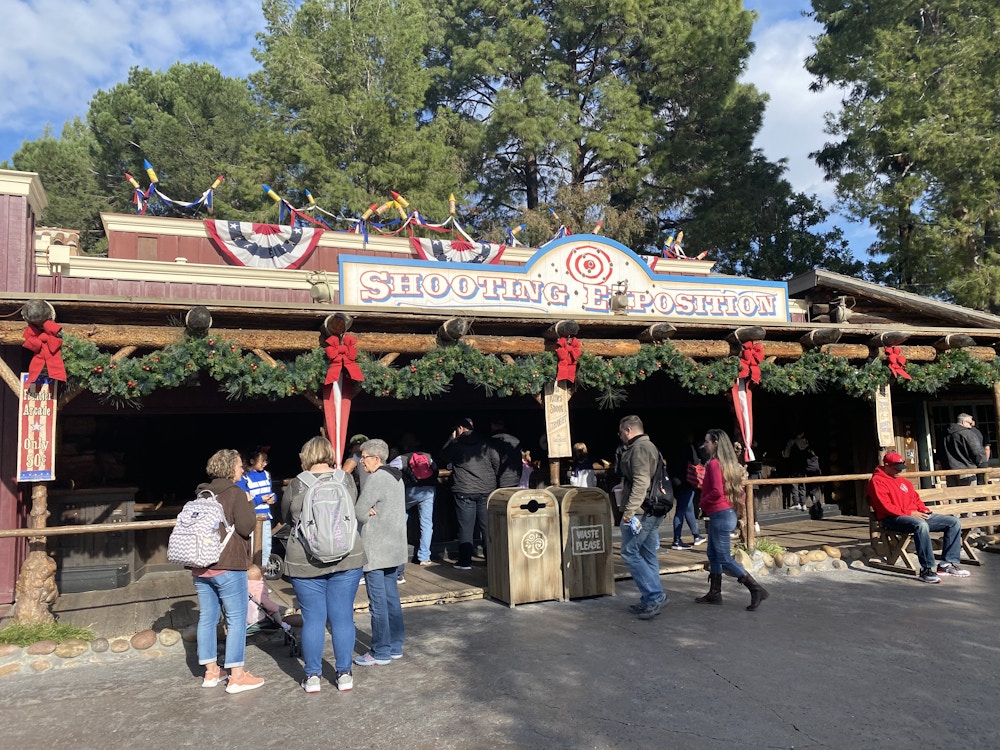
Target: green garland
(242, 374)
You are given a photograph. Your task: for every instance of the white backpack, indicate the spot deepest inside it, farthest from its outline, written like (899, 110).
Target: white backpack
(195, 541)
(327, 527)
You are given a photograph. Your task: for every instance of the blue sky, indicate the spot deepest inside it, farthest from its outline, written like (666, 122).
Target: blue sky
(58, 53)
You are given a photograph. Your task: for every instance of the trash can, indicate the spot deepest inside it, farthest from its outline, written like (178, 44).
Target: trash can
(585, 521)
(522, 538)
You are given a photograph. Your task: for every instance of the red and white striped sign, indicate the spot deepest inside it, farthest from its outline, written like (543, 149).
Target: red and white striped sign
(36, 430)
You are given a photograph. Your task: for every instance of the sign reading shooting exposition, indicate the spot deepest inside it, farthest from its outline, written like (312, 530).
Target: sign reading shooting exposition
(570, 276)
(36, 430)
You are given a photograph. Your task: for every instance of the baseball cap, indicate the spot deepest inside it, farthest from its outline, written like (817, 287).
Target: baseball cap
(892, 458)
(465, 422)
(358, 439)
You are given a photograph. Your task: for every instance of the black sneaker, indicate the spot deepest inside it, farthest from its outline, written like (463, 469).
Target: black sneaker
(929, 576)
(680, 545)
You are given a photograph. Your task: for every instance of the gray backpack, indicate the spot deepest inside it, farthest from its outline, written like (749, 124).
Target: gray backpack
(327, 527)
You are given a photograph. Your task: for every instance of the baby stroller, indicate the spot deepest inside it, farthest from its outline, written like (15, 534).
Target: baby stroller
(271, 624)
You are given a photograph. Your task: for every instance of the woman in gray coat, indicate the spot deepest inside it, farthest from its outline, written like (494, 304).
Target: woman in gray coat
(381, 512)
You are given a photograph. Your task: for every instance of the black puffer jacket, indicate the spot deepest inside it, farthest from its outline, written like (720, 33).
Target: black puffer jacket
(963, 449)
(475, 464)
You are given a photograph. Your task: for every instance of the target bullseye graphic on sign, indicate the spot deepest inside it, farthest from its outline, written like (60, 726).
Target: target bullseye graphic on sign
(589, 265)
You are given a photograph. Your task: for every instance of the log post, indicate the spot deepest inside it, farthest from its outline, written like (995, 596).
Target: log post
(36, 589)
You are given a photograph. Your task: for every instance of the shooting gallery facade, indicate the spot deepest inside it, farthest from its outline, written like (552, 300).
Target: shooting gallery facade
(222, 332)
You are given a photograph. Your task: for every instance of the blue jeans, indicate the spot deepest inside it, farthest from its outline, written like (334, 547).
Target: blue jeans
(951, 545)
(471, 510)
(327, 600)
(423, 498)
(720, 525)
(229, 591)
(265, 542)
(684, 511)
(386, 612)
(639, 555)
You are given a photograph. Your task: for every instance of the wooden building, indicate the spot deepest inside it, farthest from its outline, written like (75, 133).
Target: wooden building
(439, 341)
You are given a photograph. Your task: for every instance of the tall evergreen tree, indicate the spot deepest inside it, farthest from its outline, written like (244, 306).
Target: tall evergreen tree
(916, 153)
(639, 96)
(344, 87)
(65, 168)
(191, 122)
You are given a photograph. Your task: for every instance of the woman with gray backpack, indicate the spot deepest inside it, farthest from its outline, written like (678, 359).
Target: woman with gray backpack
(323, 559)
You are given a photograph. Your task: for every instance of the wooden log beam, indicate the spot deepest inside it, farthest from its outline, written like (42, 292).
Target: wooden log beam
(13, 381)
(309, 396)
(157, 337)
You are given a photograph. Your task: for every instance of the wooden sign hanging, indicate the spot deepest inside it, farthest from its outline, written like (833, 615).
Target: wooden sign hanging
(36, 430)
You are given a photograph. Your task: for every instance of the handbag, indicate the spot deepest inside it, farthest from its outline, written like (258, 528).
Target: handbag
(696, 475)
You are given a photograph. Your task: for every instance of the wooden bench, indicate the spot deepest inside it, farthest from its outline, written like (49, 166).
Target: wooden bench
(976, 506)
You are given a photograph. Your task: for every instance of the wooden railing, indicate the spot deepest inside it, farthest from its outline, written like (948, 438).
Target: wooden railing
(749, 484)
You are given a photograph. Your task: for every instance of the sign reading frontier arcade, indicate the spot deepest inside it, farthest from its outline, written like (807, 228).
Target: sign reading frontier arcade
(575, 275)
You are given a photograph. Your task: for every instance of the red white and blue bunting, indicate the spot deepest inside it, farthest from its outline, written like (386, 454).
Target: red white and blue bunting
(457, 251)
(263, 245)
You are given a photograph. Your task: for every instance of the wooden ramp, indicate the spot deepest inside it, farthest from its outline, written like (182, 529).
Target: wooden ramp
(167, 600)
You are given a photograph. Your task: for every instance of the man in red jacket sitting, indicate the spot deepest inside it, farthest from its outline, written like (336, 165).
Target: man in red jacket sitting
(898, 506)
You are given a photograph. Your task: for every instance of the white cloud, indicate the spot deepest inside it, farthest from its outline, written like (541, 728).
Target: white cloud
(794, 120)
(58, 53)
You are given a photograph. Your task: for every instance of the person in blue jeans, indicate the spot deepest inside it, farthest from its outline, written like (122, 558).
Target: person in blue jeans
(420, 476)
(381, 512)
(326, 591)
(224, 584)
(721, 491)
(684, 493)
(640, 530)
(898, 506)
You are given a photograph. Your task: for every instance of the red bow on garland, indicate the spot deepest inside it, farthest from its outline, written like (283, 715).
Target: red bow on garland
(342, 356)
(568, 352)
(45, 342)
(897, 362)
(750, 359)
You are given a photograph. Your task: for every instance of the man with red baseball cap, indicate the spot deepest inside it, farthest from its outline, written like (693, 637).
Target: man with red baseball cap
(898, 506)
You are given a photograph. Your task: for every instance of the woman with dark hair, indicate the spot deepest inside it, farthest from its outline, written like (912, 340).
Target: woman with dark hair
(721, 491)
(325, 591)
(224, 585)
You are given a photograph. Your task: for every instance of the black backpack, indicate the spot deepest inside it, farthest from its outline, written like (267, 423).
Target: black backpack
(660, 495)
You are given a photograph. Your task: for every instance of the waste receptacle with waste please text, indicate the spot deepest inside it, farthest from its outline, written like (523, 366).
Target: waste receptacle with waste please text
(522, 533)
(585, 522)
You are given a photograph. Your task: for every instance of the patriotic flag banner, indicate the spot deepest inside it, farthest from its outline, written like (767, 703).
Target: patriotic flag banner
(456, 251)
(263, 245)
(36, 430)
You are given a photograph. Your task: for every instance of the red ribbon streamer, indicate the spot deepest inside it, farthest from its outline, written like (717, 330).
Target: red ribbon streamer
(45, 342)
(897, 362)
(568, 352)
(750, 358)
(342, 356)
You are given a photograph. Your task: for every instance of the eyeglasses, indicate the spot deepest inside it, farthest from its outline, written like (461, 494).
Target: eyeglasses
(365, 458)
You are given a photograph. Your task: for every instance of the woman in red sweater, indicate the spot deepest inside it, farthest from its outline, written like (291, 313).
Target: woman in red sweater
(720, 492)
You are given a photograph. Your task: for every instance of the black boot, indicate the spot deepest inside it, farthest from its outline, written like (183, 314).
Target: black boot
(757, 592)
(714, 595)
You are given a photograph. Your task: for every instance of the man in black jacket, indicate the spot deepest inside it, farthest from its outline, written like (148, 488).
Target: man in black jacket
(963, 449)
(475, 465)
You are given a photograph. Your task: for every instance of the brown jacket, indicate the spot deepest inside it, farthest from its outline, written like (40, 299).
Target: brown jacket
(239, 511)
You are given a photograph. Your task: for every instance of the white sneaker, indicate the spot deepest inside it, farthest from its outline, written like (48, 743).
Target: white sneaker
(311, 684)
(345, 681)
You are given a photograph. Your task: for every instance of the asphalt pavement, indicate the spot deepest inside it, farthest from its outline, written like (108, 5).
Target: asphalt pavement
(847, 659)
